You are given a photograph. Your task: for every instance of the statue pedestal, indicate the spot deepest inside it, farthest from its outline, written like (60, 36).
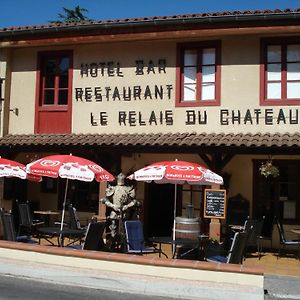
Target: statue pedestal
(215, 229)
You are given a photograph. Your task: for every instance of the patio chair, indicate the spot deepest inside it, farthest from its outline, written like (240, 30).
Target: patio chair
(27, 224)
(236, 252)
(266, 234)
(93, 239)
(255, 225)
(134, 238)
(74, 222)
(9, 232)
(283, 240)
(231, 229)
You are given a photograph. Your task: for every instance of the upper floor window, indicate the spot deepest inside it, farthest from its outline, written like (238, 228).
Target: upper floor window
(198, 74)
(280, 72)
(54, 79)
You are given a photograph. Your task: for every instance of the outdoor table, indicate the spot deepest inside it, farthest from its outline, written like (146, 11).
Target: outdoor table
(236, 228)
(296, 231)
(193, 244)
(46, 214)
(48, 233)
(160, 240)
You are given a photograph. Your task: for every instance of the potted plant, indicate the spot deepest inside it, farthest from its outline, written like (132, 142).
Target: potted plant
(267, 169)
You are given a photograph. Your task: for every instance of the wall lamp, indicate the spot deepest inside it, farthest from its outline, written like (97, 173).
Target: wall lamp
(15, 111)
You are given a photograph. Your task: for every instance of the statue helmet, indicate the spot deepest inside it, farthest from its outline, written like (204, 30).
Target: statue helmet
(121, 179)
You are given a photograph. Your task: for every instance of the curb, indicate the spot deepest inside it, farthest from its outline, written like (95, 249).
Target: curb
(188, 278)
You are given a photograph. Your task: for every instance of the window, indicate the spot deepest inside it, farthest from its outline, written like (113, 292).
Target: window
(198, 74)
(192, 202)
(84, 196)
(54, 79)
(280, 72)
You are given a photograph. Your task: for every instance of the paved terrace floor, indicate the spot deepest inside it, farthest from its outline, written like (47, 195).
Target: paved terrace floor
(287, 264)
(274, 265)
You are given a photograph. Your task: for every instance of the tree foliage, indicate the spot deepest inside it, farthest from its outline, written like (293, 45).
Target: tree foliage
(72, 15)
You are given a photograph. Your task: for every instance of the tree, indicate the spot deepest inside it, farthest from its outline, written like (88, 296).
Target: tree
(72, 16)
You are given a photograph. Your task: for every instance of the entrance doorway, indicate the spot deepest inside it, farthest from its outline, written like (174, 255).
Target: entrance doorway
(278, 196)
(159, 209)
(15, 189)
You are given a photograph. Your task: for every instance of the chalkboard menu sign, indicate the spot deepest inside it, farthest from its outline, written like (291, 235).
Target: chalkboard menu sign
(215, 204)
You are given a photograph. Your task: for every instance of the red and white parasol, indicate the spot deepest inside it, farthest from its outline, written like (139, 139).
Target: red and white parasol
(69, 167)
(177, 172)
(11, 168)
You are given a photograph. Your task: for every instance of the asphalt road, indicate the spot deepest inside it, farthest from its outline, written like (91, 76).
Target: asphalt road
(20, 288)
(282, 287)
(30, 280)
(12, 287)
(40, 281)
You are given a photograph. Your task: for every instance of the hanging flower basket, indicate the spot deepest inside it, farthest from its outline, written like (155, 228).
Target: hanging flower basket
(267, 169)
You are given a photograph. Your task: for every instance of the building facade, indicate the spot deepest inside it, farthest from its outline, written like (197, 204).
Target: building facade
(222, 90)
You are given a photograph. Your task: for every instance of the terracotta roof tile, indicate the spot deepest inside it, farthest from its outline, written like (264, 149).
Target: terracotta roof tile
(154, 140)
(155, 18)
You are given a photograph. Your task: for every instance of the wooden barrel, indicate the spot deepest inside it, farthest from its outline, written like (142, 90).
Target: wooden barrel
(187, 228)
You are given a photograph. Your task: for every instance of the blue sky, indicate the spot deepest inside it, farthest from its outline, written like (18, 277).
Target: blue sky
(34, 12)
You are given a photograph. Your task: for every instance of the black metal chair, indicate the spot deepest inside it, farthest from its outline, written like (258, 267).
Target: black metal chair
(266, 234)
(283, 240)
(93, 239)
(236, 252)
(74, 222)
(9, 232)
(255, 225)
(232, 228)
(27, 225)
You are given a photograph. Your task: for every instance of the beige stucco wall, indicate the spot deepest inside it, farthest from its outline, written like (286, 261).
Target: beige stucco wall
(126, 54)
(239, 88)
(23, 84)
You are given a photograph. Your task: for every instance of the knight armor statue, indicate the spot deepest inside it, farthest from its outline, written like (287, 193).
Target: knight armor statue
(119, 198)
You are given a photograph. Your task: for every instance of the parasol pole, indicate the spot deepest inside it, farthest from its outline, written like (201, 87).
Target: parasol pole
(63, 212)
(174, 221)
